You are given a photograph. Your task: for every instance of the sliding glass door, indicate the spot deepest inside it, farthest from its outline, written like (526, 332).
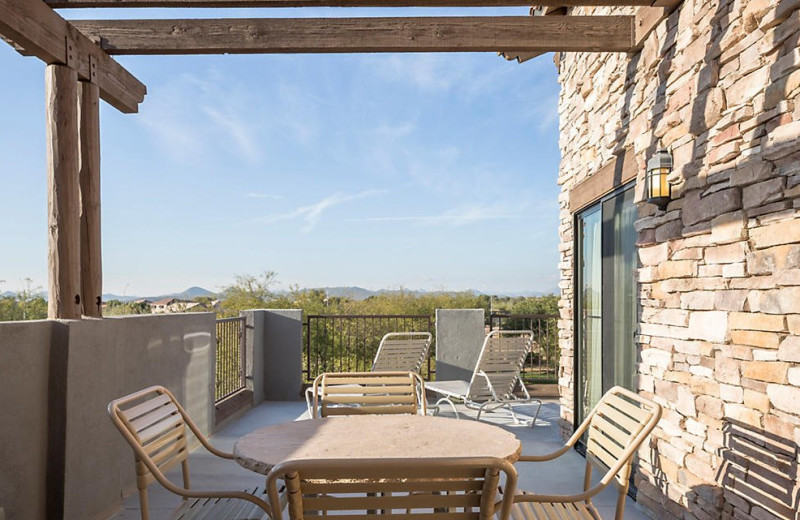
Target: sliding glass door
(605, 317)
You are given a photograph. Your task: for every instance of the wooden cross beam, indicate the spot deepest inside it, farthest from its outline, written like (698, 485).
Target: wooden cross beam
(344, 35)
(339, 3)
(33, 26)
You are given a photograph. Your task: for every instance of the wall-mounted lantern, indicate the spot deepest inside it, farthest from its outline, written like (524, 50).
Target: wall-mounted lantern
(659, 190)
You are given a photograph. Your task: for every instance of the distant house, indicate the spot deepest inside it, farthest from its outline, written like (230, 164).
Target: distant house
(169, 305)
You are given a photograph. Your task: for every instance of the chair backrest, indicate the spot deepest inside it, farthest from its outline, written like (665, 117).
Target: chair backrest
(154, 424)
(353, 489)
(616, 428)
(364, 393)
(501, 360)
(402, 351)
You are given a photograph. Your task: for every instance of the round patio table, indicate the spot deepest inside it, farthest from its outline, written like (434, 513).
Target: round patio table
(373, 436)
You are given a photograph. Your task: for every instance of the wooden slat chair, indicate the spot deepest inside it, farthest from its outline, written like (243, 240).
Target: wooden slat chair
(154, 424)
(397, 352)
(495, 377)
(368, 393)
(616, 427)
(395, 489)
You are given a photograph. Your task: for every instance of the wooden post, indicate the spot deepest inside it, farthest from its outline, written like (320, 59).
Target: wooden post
(63, 199)
(91, 251)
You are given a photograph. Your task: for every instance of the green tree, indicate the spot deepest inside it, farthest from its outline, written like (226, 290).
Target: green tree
(28, 304)
(118, 308)
(249, 292)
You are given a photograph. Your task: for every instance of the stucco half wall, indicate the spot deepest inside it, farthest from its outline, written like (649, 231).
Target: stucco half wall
(62, 457)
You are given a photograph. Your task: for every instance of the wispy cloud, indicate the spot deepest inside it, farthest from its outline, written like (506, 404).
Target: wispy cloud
(426, 72)
(254, 195)
(311, 214)
(237, 129)
(452, 218)
(394, 132)
(431, 73)
(191, 117)
(299, 113)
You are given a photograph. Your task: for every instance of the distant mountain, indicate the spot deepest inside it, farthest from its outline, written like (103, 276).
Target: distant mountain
(189, 294)
(528, 294)
(354, 293)
(12, 294)
(359, 293)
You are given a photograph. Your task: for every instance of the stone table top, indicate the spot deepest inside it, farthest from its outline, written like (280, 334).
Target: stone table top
(374, 436)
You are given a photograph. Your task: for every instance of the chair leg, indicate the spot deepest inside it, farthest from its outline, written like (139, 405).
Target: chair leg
(620, 512)
(309, 401)
(487, 406)
(587, 477)
(536, 415)
(448, 401)
(185, 471)
(143, 506)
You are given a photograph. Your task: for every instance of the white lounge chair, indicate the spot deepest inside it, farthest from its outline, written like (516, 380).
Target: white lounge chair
(402, 352)
(397, 352)
(495, 377)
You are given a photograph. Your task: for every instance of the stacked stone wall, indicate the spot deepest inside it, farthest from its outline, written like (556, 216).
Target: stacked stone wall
(718, 333)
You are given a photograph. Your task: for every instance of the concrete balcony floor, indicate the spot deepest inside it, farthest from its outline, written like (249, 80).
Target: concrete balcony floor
(210, 472)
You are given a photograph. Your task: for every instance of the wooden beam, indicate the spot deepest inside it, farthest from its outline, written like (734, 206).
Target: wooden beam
(520, 57)
(342, 35)
(63, 200)
(35, 27)
(335, 3)
(91, 251)
(620, 170)
(648, 18)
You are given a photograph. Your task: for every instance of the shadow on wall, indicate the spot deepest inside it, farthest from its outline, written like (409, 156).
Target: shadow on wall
(758, 478)
(759, 473)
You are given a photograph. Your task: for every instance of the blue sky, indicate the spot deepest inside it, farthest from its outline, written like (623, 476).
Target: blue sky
(423, 171)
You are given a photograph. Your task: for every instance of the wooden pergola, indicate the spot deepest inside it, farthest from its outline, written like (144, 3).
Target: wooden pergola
(80, 71)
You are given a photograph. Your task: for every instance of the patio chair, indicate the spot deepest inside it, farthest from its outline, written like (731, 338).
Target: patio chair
(452, 488)
(402, 352)
(495, 377)
(368, 393)
(397, 352)
(616, 428)
(154, 424)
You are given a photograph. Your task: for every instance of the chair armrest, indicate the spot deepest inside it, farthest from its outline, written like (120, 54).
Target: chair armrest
(547, 456)
(563, 499)
(241, 495)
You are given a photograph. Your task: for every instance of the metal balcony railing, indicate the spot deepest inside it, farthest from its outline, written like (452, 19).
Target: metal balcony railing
(231, 357)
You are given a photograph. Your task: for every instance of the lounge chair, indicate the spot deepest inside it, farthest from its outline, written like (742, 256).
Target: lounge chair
(402, 352)
(616, 428)
(397, 352)
(154, 424)
(495, 377)
(407, 488)
(365, 393)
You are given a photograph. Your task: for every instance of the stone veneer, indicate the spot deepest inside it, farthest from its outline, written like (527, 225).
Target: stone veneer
(719, 276)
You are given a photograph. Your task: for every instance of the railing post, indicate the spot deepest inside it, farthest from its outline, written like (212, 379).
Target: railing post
(242, 353)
